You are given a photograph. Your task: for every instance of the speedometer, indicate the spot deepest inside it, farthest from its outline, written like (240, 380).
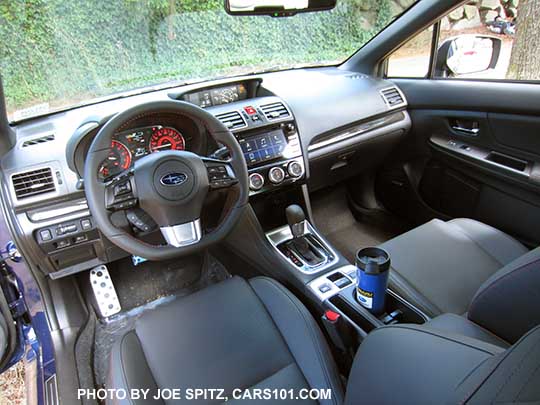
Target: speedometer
(166, 139)
(118, 160)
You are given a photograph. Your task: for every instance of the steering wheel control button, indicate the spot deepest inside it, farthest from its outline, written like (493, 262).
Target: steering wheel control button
(276, 175)
(141, 220)
(125, 205)
(104, 292)
(256, 181)
(122, 188)
(295, 169)
(219, 176)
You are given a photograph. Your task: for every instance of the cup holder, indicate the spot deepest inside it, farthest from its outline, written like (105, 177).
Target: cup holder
(397, 310)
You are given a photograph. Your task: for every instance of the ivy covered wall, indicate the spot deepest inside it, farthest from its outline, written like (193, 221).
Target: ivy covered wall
(59, 51)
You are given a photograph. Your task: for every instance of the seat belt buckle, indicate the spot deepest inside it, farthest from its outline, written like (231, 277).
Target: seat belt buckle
(331, 321)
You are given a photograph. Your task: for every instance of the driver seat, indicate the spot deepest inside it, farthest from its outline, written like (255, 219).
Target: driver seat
(234, 334)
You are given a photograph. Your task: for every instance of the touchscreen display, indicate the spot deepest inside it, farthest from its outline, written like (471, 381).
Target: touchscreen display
(260, 148)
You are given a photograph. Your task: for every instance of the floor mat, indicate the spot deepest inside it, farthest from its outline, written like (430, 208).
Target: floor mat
(138, 285)
(336, 222)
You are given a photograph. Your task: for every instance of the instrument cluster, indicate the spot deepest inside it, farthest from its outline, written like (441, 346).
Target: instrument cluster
(131, 145)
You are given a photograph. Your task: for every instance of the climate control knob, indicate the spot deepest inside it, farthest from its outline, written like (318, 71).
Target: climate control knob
(276, 175)
(256, 181)
(295, 169)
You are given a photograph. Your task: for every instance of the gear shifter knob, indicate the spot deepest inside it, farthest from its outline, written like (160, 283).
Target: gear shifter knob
(296, 220)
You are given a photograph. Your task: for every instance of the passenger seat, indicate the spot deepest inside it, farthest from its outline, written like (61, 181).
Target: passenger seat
(464, 266)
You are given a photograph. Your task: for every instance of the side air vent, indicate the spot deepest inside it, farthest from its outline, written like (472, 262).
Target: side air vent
(392, 97)
(36, 141)
(232, 120)
(275, 111)
(35, 182)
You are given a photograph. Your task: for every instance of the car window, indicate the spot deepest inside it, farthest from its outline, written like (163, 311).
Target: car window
(480, 40)
(412, 58)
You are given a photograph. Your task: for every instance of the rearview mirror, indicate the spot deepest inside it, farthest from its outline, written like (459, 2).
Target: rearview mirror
(466, 54)
(277, 8)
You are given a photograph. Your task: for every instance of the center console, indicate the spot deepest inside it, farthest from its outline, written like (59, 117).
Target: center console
(337, 292)
(332, 285)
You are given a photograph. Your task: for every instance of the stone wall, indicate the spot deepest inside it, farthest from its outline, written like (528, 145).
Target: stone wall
(479, 12)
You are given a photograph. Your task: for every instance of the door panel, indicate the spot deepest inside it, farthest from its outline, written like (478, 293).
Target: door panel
(480, 142)
(516, 131)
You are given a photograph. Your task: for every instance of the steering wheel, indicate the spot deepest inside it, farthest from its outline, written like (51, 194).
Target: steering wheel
(171, 186)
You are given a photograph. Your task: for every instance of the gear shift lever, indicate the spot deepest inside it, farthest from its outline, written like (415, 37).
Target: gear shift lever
(304, 249)
(296, 220)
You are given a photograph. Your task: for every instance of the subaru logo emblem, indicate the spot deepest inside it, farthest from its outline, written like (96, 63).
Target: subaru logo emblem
(173, 179)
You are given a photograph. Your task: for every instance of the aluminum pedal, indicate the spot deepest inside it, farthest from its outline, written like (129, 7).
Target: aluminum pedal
(104, 292)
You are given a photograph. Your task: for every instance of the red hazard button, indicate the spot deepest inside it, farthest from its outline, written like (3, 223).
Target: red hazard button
(250, 110)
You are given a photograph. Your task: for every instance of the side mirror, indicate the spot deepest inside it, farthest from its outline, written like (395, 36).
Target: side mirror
(466, 54)
(276, 8)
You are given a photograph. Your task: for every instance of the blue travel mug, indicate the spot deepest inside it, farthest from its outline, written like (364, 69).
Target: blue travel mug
(373, 268)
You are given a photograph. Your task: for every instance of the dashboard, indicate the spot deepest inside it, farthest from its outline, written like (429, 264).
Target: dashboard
(314, 126)
(129, 146)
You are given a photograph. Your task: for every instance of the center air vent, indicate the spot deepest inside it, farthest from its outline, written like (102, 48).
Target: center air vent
(36, 141)
(35, 182)
(232, 120)
(392, 96)
(275, 111)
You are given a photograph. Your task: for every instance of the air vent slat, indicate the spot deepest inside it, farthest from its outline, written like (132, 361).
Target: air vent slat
(37, 141)
(392, 97)
(32, 183)
(274, 111)
(232, 120)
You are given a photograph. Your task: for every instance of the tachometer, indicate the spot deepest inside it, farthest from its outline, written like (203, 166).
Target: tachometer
(166, 139)
(119, 159)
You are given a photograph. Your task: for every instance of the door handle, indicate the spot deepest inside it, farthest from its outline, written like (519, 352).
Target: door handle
(468, 131)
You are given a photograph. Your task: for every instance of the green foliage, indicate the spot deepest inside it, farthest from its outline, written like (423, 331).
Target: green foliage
(62, 51)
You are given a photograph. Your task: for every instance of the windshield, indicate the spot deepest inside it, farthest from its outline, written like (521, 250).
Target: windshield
(59, 53)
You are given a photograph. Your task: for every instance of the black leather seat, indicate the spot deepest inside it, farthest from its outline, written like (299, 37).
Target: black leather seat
(439, 266)
(256, 334)
(234, 334)
(408, 364)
